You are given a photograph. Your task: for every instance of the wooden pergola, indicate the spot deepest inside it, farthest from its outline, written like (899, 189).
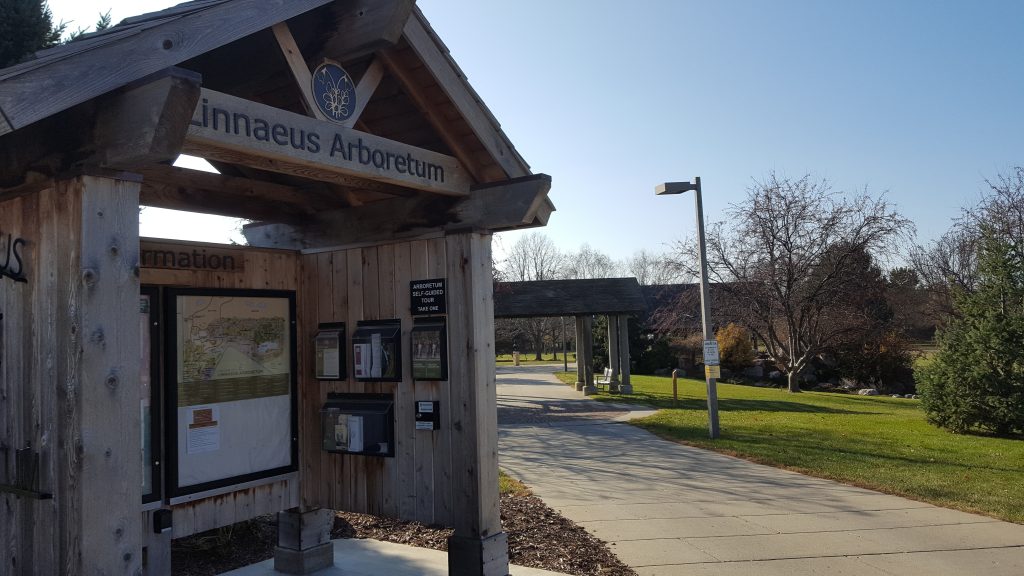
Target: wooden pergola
(367, 165)
(615, 298)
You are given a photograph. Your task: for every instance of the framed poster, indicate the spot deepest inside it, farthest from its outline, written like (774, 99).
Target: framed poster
(231, 387)
(429, 349)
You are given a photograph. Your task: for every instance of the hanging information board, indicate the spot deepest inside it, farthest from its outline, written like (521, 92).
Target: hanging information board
(231, 393)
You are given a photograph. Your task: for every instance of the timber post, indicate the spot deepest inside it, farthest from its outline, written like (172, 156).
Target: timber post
(478, 547)
(588, 362)
(614, 361)
(581, 355)
(625, 387)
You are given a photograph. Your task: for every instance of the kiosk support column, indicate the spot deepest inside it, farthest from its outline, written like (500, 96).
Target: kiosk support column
(478, 547)
(106, 351)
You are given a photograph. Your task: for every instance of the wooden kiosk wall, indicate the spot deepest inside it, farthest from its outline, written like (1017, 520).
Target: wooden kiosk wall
(69, 356)
(365, 283)
(372, 283)
(261, 270)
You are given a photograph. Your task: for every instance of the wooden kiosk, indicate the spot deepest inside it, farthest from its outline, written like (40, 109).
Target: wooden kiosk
(343, 360)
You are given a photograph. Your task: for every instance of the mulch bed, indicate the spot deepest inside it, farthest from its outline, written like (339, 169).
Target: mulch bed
(538, 537)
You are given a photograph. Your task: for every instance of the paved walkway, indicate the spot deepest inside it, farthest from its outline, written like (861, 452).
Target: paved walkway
(364, 557)
(668, 509)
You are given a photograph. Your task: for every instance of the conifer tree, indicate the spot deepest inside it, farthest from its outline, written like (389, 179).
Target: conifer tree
(976, 380)
(26, 26)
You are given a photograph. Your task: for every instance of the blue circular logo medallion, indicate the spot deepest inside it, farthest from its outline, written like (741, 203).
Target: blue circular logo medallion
(334, 92)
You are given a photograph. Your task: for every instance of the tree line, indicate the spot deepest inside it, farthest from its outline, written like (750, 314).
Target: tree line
(833, 285)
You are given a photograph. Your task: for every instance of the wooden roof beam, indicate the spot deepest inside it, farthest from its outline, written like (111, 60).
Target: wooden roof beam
(364, 90)
(506, 206)
(71, 74)
(433, 115)
(435, 57)
(209, 193)
(299, 69)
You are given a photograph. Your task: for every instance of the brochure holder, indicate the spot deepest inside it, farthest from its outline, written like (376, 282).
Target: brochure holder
(362, 424)
(377, 351)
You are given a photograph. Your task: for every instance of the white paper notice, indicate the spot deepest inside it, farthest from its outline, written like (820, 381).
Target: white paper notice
(378, 356)
(203, 430)
(355, 433)
(361, 356)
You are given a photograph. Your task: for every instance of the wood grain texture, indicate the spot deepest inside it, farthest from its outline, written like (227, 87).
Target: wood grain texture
(111, 479)
(298, 67)
(506, 206)
(82, 75)
(364, 90)
(471, 373)
(398, 164)
(436, 60)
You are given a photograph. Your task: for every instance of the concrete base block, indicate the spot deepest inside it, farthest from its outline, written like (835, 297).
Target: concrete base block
(478, 557)
(580, 386)
(589, 390)
(625, 389)
(613, 387)
(306, 561)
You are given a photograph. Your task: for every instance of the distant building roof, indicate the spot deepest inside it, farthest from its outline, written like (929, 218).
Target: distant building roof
(568, 298)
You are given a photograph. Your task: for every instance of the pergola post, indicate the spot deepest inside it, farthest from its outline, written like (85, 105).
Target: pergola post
(581, 356)
(588, 347)
(624, 386)
(478, 547)
(613, 352)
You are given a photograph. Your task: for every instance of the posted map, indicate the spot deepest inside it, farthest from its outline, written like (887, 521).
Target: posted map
(232, 348)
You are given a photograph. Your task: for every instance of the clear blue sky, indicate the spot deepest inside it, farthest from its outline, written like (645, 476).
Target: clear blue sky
(921, 99)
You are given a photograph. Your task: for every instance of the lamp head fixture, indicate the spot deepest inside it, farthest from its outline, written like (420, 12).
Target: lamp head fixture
(677, 187)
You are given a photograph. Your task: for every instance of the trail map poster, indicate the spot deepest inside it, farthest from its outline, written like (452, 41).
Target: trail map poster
(234, 387)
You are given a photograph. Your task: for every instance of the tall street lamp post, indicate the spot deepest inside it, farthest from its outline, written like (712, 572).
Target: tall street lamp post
(710, 344)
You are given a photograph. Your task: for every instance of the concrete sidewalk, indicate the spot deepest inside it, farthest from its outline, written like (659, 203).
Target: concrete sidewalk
(668, 509)
(362, 557)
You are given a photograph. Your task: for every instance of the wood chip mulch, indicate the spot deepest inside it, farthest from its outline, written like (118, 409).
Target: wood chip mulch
(538, 537)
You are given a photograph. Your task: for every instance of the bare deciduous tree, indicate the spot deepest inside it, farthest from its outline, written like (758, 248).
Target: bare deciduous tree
(650, 269)
(589, 263)
(950, 264)
(533, 257)
(790, 263)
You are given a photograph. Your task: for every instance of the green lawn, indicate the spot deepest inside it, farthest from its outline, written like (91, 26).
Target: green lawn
(875, 442)
(527, 358)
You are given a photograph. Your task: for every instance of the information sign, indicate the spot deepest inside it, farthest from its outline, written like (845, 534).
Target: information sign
(711, 353)
(428, 297)
(712, 371)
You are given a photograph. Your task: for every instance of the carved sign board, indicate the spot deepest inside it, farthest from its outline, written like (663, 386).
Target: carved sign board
(245, 128)
(182, 257)
(13, 266)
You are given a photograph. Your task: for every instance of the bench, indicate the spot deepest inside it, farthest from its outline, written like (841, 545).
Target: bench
(606, 379)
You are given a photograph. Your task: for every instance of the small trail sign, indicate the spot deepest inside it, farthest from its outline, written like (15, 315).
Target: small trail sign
(711, 353)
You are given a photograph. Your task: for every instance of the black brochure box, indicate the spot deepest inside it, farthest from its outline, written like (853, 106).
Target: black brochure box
(377, 351)
(361, 424)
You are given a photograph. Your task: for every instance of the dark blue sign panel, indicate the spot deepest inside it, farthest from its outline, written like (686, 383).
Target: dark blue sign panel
(334, 92)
